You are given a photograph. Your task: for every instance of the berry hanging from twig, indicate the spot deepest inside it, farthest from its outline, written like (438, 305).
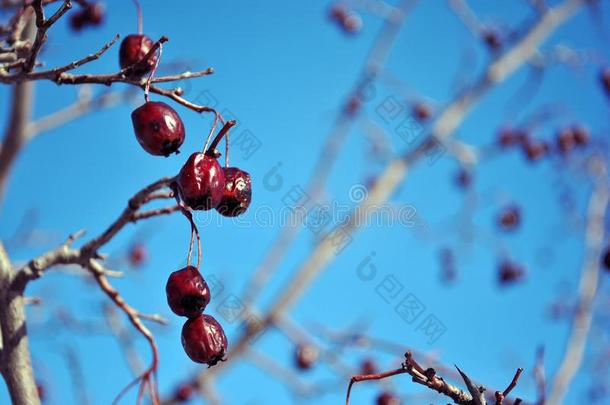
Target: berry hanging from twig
(204, 340)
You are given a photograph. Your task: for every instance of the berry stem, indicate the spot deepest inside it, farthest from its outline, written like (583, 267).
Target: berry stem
(227, 150)
(211, 151)
(152, 73)
(212, 129)
(139, 14)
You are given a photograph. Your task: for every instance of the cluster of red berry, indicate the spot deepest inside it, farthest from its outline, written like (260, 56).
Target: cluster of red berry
(201, 184)
(566, 140)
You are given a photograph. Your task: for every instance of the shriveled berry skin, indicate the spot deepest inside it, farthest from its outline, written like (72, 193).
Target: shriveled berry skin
(158, 128)
(187, 292)
(204, 340)
(306, 356)
(133, 49)
(201, 182)
(237, 193)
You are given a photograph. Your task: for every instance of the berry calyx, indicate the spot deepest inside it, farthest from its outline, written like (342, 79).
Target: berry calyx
(187, 292)
(201, 182)
(134, 49)
(204, 340)
(237, 193)
(306, 356)
(158, 128)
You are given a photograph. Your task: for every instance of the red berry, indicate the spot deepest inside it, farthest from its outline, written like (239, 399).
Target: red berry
(368, 366)
(606, 258)
(158, 128)
(91, 14)
(137, 254)
(352, 23)
(492, 39)
(535, 150)
(133, 50)
(509, 137)
(581, 135)
(509, 218)
(463, 178)
(387, 398)
(183, 393)
(42, 393)
(566, 140)
(422, 111)
(187, 292)
(510, 272)
(201, 182)
(237, 192)
(204, 340)
(338, 12)
(306, 356)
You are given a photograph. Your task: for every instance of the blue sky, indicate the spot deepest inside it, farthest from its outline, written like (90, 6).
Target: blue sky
(283, 70)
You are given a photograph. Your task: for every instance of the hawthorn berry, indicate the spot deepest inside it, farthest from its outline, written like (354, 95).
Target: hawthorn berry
(463, 178)
(90, 15)
(183, 393)
(509, 273)
(492, 39)
(187, 292)
(201, 182)
(204, 340)
(158, 128)
(306, 356)
(42, 392)
(509, 218)
(422, 111)
(368, 366)
(352, 23)
(338, 12)
(133, 50)
(237, 192)
(137, 254)
(565, 140)
(535, 150)
(387, 398)
(581, 135)
(510, 136)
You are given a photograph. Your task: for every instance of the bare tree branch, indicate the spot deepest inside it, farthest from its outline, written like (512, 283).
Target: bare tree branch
(581, 324)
